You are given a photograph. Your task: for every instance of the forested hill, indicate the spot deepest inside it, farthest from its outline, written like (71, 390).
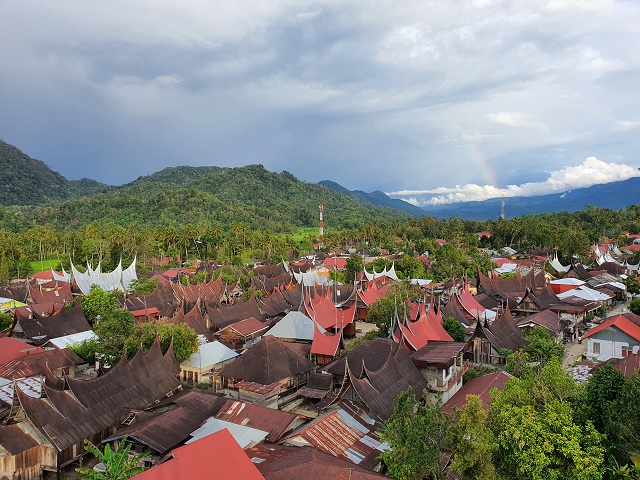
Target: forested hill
(250, 195)
(376, 198)
(27, 181)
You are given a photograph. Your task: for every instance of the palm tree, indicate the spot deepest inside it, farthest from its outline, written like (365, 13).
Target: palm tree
(118, 465)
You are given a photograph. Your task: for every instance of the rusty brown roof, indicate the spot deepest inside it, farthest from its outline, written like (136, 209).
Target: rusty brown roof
(276, 422)
(170, 426)
(14, 440)
(440, 354)
(40, 329)
(277, 462)
(346, 432)
(99, 403)
(372, 355)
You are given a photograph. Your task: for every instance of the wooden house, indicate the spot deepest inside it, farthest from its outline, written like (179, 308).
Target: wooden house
(242, 334)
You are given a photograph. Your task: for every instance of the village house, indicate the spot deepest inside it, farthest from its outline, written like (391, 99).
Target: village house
(617, 337)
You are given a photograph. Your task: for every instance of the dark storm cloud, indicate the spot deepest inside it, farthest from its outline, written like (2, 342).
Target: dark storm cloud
(387, 95)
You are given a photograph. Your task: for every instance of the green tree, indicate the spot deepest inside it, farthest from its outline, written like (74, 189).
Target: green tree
(454, 328)
(603, 388)
(185, 339)
(6, 320)
(417, 435)
(98, 302)
(624, 425)
(634, 306)
(143, 286)
(633, 286)
(117, 463)
(352, 267)
(113, 331)
(537, 435)
(473, 442)
(541, 346)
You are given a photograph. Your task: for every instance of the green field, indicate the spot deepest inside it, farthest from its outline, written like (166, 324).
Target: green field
(301, 233)
(39, 266)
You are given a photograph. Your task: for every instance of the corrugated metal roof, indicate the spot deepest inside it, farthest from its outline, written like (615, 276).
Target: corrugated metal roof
(209, 355)
(67, 340)
(275, 422)
(31, 386)
(294, 325)
(245, 436)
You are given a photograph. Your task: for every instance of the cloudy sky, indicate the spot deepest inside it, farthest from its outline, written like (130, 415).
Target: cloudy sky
(460, 99)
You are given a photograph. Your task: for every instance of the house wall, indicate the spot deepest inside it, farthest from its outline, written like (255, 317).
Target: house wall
(611, 342)
(24, 466)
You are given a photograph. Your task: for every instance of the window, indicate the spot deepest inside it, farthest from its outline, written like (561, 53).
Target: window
(596, 348)
(626, 351)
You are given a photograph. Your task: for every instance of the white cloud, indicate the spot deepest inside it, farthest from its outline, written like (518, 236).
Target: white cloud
(591, 172)
(514, 119)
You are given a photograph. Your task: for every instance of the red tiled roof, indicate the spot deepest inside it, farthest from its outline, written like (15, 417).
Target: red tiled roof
(620, 322)
(215, 456)
(373, 293)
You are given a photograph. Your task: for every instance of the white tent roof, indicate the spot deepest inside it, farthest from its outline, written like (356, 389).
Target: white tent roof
(115, 280)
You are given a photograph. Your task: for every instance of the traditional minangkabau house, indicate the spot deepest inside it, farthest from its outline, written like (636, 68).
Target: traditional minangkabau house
(537, 301)
(378, 389)
(55, 292)
(269, 373)
(414, 335)
(375, 290)
(552, 321)
(35, 364)
(489, 340)
(37, 329)
(470, 306)
(500, 288)
(167, 424)
(92, 409)
(442, 365)
(222, 316)
(162, 299)
(451, 310)
(577, 271)
(324, 312)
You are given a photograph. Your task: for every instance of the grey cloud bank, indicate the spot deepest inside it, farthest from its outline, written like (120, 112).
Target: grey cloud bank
(425, 95)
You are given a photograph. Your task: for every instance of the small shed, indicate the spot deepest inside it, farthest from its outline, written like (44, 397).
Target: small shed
(201, 364)
(243, 334)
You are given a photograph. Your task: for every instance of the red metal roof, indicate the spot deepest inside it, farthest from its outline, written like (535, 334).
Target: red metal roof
(12, 349)
(215, 456)
(337, 262)
(620, 322)
(145, 311)
(481, 387)
(324, 344)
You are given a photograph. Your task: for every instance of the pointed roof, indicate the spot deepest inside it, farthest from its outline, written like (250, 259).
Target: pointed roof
(325, 343)
(266, 362)
(506, 333)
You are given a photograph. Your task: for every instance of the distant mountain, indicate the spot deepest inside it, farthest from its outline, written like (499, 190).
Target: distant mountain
(376, 198)
(27, 181)
(614, 195)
